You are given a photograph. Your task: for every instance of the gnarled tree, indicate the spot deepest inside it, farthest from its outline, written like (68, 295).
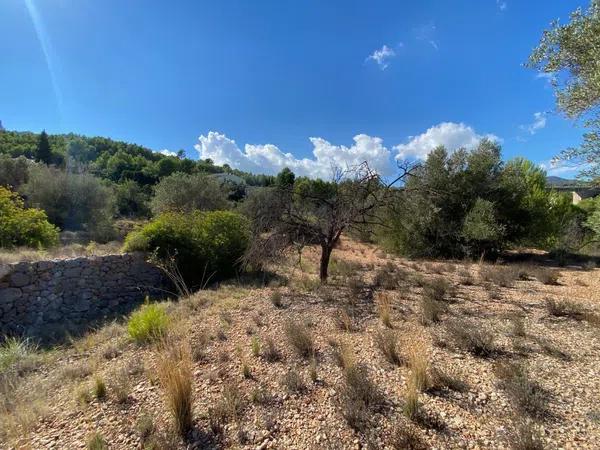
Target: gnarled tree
(305, 211)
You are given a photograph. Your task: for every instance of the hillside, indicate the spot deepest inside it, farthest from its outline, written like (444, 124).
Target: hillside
(116, 160)
(508, 353)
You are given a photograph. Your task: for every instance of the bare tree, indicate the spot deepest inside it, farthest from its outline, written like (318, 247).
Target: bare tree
(319, 212)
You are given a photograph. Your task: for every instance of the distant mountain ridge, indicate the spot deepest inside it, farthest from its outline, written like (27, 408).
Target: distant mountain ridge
(559, 182)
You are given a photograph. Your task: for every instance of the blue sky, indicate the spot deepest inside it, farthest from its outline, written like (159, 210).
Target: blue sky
(265, 84)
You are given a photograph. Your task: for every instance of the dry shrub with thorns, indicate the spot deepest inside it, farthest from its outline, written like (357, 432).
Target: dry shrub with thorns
(174, 368)
(387, 342)
(384, 308)
(471, 337)
(300, 338)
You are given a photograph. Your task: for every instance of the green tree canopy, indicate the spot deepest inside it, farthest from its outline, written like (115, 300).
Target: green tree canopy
(570, 55)
(185, 193)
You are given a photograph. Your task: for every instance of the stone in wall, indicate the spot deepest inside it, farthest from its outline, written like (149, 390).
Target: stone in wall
(54, 298)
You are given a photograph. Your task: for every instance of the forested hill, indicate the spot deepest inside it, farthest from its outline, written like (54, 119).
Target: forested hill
(115, 160)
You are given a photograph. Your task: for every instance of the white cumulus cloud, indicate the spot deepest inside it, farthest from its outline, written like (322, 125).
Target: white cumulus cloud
(167, 152)
(449, 134)
(539, 122)
(382, 56)
(268, 158)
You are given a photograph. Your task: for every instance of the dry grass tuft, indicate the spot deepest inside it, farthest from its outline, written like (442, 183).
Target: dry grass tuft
(270, 352)
(99, 388)
(390, 276)
(431, 310)
(471, 337)
(276, 299)
(384, 308)
(518, 325)
(407, 438)
(437, 289)
(120, 385)
(342, 354)
(292, 381)
(229, 407)
(174, 368)
(528, 396)
(503, 276)
(343, 320)
(565, 308)
(446, 380)
(411, 402)
(300, 338)
(547, 276)
(96, 442)
(418, 355)
(255, 346)
(77, 371)
(145, 426)
(526, 436)
(387, 342)
(357, 395)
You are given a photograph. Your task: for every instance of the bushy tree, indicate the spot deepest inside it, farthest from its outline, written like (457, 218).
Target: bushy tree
(184, 193)
(13, 171)
(20, 226)
(470, 202)
(132, 199)
(569, 54)
(481, 228)
(206, 245)
(72, 201)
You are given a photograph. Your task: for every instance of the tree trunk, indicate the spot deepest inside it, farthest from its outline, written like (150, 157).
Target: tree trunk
(325, 255)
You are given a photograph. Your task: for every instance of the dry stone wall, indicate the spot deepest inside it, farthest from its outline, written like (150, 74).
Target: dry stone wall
(50, 299)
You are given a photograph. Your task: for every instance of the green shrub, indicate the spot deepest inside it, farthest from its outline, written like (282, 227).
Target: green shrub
(72, 201)
(185, 192)
(23, 227)
(147, 324)
(204, 244)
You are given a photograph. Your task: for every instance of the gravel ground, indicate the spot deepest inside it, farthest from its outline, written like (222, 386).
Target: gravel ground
(561, 354)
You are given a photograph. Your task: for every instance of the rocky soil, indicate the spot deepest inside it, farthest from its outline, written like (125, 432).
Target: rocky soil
(49, 405)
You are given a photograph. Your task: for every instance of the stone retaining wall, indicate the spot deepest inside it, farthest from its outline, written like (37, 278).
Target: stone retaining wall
(49, 299)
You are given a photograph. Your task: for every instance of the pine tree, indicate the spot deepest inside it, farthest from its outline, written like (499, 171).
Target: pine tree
(44, 152)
